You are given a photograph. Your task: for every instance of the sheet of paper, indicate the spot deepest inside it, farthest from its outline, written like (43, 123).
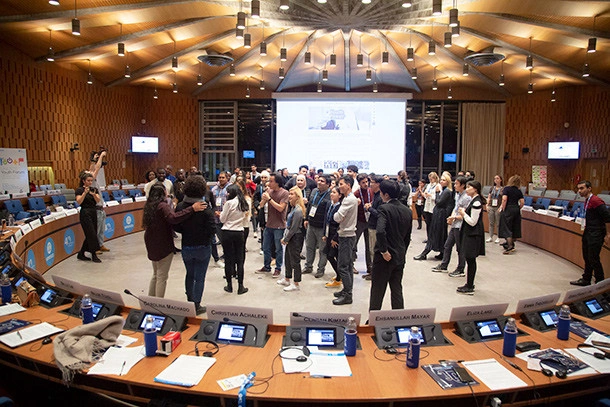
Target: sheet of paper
(185, 371)
(601, 365)
(232, 382)
(118, 361)
(29, 334)
(495, 376)
(329, 364)
(124, 341)
(534, 364)
(9, 309)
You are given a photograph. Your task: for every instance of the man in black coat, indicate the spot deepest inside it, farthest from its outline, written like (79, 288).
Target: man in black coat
(393, 238)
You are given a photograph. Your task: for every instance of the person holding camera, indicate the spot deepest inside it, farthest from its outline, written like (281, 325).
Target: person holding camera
(99, 179)
(87, 197)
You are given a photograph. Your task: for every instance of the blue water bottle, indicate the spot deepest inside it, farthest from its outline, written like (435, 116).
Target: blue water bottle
(510, 338)
(7, 290)
(150, 337)
(413, 348)
(351, 336)
(563, 323)
(86, 309)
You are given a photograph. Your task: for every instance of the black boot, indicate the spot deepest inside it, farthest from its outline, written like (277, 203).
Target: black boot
(242, 289)
(81, 256)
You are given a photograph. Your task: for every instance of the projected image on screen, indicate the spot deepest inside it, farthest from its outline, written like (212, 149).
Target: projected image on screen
(330, 134)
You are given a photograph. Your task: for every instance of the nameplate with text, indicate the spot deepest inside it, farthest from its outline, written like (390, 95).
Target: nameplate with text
(54, 192)
(13, 243)
(101, 295)
(322, 318)
(128, 186)
(156, 304)
(537, 303)
(579, 293)
(396, 317)
(126, 200)
(241, 314)
(4, 197)
(140, 199)
(35, 223)
(602, 286)
(71, 211)
(527, 208)
(25, 228)
(48, 218)
(471, 313)
(18, 234)
(111, 203)
(68, 285)
(36, 193)
(19, 195)
(112, 187)
(59, 214)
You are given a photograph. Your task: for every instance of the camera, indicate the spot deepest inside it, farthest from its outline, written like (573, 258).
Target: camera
(93, 155)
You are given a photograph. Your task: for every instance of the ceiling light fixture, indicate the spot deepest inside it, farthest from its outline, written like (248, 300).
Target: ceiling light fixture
(75, 22)
(199, 80)
(333, 56)
(241, 19)
(455, 31)
(89, 76)
(501, 82)
(530, 86)
(449, 93)
(368, 71)
(263, 43)
(448, 42)
(385, 55)
(54, 2)
(360, 56)
(232, 70)
(324, 75)
(307, 57)
(375, 87)
(319, 88)
(121, 45)
(410, 50)
(284, 5)
(322, 1)
(453, 15)
(262, 82)
(247, 40)
(156, 92)
(586, 70)
(553, 93)
(50, 52)
(239, 33)
(282, 73)
(127, 71)
(431, 44)
(175, 64)
(592, 46)
(434, 81)
(407, 4)
(465, 70)
(255, 9)
(414, 73)
(366, 1)
(283, 50)
(437, 7)
(248, 87)
(529, 61)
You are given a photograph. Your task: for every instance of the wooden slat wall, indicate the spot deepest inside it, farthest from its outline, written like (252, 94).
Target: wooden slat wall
(532, 121)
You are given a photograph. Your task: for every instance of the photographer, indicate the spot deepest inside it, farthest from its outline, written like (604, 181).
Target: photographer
(99, 179)
(88, 197)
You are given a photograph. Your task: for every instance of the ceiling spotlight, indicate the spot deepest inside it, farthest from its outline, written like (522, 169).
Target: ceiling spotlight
(530, 88)
(263, 48)
(369, 74)
(333, 59)
(359, 60)
(553, 96)
(282, 74)
(448, 38)
(366, 1)
(248, 93)
(284, 5)
(465, 70)
(121, 49)
(54, 2)
(261, 86)
(414, 73)
(156, 94)
(455, 31)
(501, 83)
(127, 71)
(232, 70)
(586, 71)
(89, 78)
(241, 20)
(247, 40)
(175, 87)
(385, 57)
(437, 7)
(199, 80)
(591, 48)
(50, 55)
(431, 47)
(255, 9)
(322, 1)
(453, 17)
(319, 89)
(175, 64)
(375, 88)
(239, 33)
(410, 54)
(529, 62)
(434, 84)
(75, 26)
(308, 57)
(449, 94)
(283, 54)
(325, 75)
(407, 4)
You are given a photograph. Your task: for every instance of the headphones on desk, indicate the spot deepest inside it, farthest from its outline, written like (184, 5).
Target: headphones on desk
(207, 353)
(597, 352)
(299, 358)
(561, 373)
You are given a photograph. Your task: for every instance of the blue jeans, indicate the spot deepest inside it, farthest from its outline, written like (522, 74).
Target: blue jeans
(276, 235)
(345, 262)
(196, 260)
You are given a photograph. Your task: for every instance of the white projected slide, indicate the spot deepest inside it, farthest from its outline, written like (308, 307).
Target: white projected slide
(332, 133)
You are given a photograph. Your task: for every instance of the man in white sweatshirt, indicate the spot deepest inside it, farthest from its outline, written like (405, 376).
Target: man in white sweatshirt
(347, 217)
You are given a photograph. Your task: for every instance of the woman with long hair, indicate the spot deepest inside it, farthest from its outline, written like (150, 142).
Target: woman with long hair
(331, 249)
(196, 240)
(510, 213)
(430, 196)
(420, 200)
(248, 196)
(158, 218)
(149, 176)
(293, 240)
(494, 199)
(472, 234)
(87, 197)
(232, 219)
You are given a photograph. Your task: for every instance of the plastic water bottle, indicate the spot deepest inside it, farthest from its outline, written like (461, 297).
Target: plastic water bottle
(563, 323)
(510, 338)
(7, 291)
(11, 220)
(351, 335)
(150, 337)
(86, 309)
(413, 348)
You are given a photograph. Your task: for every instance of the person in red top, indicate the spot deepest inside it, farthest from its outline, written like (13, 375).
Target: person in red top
(596, 232)
(364, 196)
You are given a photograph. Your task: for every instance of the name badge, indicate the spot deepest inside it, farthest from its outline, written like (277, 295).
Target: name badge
(312, 211)
(494, 202)
(218, 202)
(420, 202)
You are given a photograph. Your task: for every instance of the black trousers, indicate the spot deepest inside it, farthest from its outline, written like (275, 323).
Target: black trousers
(592, 242)
(383, 274)
(292, 257)
(472, 271)
(428, 220)
(233, 247)
(419, 209)
(88, 221)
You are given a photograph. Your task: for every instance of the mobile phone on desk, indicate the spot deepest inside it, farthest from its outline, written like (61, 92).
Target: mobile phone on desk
(463, 374)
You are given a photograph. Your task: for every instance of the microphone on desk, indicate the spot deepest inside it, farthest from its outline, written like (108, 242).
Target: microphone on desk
(225, 319)
(126, 291)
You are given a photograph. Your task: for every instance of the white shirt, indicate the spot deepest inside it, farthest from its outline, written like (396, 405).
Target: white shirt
(231, 217)
(169, 186)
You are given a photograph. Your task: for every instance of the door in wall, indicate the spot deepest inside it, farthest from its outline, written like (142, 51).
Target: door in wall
(595, 171)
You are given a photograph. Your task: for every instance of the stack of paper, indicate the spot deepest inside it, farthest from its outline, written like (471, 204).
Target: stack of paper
(186, 370)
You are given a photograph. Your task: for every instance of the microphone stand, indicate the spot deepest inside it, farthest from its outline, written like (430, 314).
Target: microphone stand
(126, 291)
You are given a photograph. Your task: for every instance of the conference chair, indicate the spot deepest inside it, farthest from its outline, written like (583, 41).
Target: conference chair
(135, 193)
(116, 182)
(551, 193)
(528, 200)
(36, 205)
(106, 196)
(580, 206)
(535, 192)
(59, 200)
(14, 207)
(545, 202)
(124, 181)
(119, 194)
(605, 198)
(60, 186)
(567, 194)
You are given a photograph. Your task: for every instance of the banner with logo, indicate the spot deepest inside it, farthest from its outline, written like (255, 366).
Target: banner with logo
(14, 170)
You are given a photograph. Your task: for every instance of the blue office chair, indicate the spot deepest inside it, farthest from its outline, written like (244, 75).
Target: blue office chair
(580, 206)
(59, 200)
(119, 194)
(545, 202)
(36, 205)
(106, 196)
(528, 200)
(15, 208)
(135, 193)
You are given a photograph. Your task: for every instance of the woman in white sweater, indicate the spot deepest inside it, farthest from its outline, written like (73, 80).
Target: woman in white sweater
(232, 219)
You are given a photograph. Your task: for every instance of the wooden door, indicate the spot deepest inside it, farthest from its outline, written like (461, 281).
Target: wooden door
(595, 171)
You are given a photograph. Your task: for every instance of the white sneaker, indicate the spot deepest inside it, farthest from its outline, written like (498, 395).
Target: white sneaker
(489, 240)
(220, 264)
(283, 281)
(292, 287)
(497, 240)
(261, 252)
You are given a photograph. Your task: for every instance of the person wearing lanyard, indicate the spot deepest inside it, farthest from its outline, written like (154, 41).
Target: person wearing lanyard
(331, 238)
(220, 197)
(372, 209)
(314, 223)
(364, 196)
(430, 196)
(493, 203)
(596, 232)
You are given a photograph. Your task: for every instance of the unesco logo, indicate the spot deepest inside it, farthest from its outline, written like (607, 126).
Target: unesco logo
(31, 259)
(49, 251)
(109, 228)
(128, 223)
(69, 241)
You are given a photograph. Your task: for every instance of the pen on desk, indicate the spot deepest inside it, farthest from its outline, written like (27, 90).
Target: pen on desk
(122, 367)
(321, 377)
(19, 335)
(449, 361)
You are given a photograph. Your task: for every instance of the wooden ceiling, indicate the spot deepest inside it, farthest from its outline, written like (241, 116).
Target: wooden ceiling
(555, 33)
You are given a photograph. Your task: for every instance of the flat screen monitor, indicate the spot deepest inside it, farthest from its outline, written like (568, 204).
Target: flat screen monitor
(48, 296)
(403, 333)
(449, 158)
(549, 318)
(231, 332)
(157, 321)
(21, 280)
(7, 269)
(564, 150)
(141, 144)
(321, 337)
(594, 306)
(249, 154)
(96, 309)
(489, 328)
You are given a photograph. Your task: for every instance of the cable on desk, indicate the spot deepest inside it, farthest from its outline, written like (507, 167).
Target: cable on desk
(476, 402)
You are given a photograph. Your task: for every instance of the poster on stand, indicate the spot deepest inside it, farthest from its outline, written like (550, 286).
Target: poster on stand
(14, 170)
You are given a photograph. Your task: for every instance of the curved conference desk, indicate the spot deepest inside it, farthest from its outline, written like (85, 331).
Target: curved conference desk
(377, 377)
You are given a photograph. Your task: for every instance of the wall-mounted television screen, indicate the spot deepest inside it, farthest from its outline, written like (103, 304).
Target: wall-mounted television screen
(449, 158)
(249, 153)
(564, 150)
(141, 144)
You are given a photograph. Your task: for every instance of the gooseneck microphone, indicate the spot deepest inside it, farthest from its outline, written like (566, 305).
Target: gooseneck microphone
(126, 291)
(225, 319)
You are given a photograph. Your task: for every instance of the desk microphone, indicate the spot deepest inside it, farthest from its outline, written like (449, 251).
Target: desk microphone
(225, 319)
(126, 291)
